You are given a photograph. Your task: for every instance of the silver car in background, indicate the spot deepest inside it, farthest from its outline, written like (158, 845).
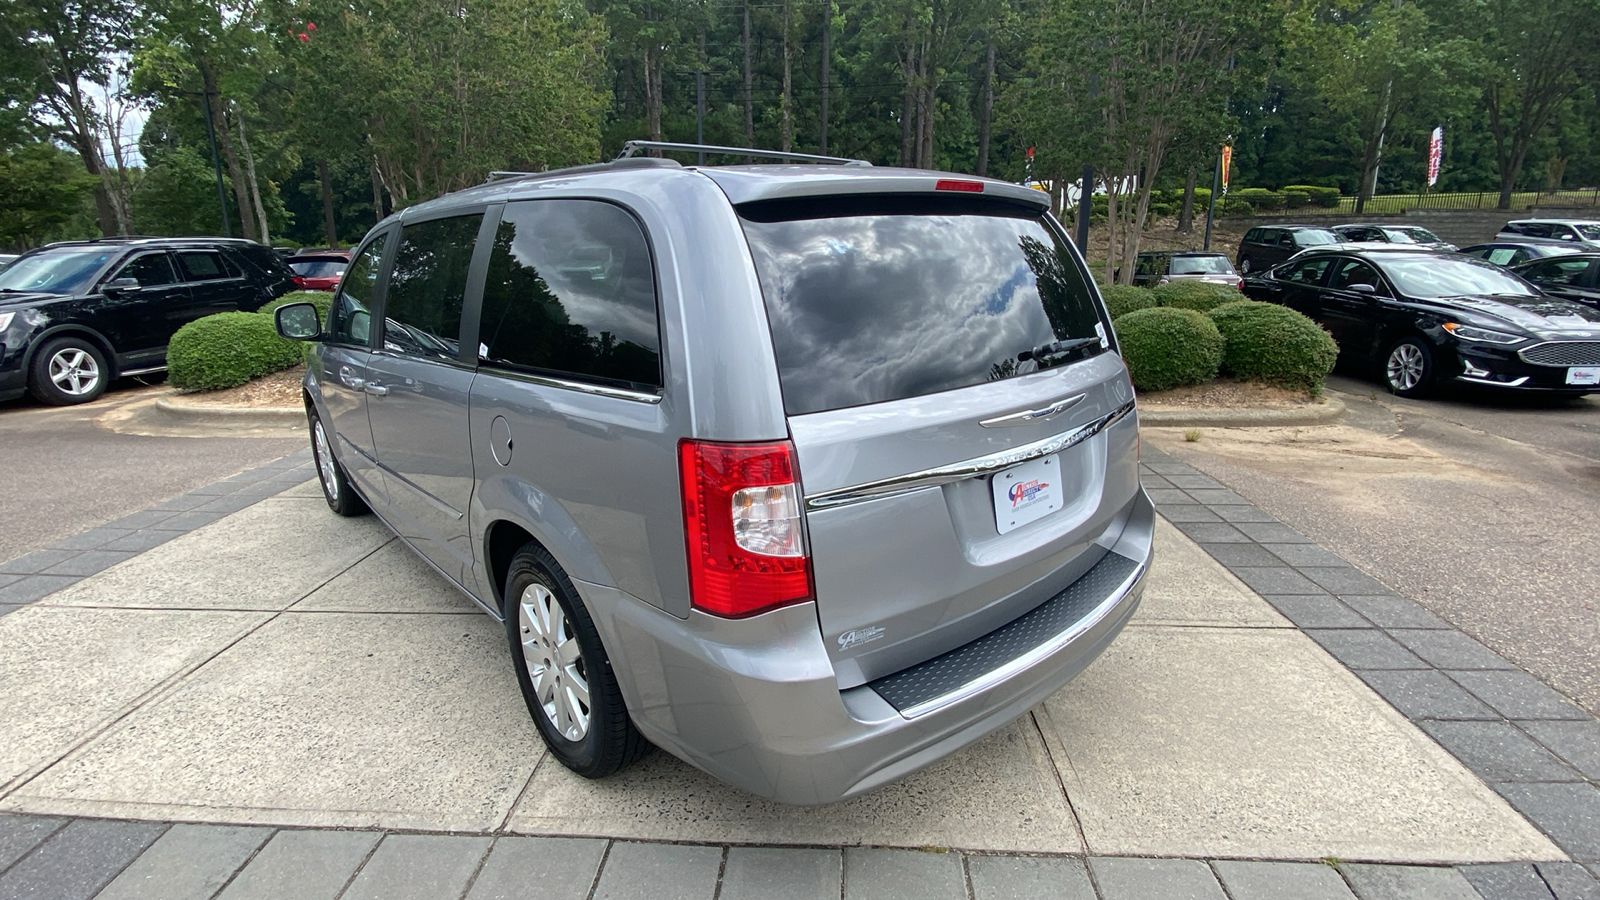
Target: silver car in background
(809, 474)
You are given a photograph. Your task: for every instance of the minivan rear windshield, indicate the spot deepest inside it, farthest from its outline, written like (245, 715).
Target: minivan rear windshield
(1201, 265)
(879, 298)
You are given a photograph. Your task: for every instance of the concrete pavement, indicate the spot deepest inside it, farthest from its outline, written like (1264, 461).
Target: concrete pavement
(279, 668)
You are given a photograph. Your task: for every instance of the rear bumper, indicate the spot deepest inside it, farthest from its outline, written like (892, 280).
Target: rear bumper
(756, 702)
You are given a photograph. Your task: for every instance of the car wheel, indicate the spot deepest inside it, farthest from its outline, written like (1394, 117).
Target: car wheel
(563, 670)
(336, 489)
(1245, 266)
(68, 370)
(1409, 367)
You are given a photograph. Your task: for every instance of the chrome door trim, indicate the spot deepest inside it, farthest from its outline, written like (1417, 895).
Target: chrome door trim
(970, 468)
(598, 390)
(1034, 415)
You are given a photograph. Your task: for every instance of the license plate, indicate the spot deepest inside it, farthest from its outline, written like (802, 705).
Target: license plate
(1583, 375)
(1027, 493)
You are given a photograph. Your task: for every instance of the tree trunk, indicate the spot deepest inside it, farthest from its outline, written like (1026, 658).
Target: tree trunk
(377, 192)
(1374, 153)
(1112, 226)
(786, 129)
(987, 111)
(652, 92)
(330, 230)
(1186, 213)
(230, 154)
(925, 101)
(250, 174)
(77, 134)
(908, 109)
(749, 104)
(827, 69)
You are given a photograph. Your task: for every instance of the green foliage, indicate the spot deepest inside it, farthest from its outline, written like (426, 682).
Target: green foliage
(1167, 348)
(1274, 344)
(1325, 197)
(1201, 296)
(1232, 206)
(178, 196)
(1295, 199)
(42, 186)
(227, 350)
(1122, 299)
(1260, 199)
(322, 300)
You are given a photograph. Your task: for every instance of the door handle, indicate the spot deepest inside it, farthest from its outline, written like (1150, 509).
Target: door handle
(349, 378)
(377, 389)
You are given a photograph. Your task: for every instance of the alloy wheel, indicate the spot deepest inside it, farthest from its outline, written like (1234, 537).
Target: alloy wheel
(74, 371)
(1406, 365)
(325, 470)
(555, 664)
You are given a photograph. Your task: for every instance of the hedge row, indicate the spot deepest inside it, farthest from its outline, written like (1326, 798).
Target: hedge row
(1188, 332)
(228, 349)
(1294, 196)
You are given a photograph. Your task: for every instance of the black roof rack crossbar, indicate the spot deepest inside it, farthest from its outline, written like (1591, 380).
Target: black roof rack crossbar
(633, 147)
(618, 163)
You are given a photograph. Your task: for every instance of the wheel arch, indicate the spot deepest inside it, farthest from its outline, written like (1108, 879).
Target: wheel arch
(81, 331)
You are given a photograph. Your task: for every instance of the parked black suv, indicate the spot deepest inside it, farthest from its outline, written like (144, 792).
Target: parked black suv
(74, 316)
(1266, 246)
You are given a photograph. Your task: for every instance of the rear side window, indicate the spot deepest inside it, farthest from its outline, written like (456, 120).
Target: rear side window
(571, 293)
(873, 299)
(151, 270)
(203, 265)
(428, 286)
(265, 260)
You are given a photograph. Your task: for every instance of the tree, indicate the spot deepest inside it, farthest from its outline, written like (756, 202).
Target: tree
(61, 52)
(43, 187)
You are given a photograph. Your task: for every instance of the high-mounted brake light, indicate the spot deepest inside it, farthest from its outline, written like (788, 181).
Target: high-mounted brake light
(741, 515)
(954, 184)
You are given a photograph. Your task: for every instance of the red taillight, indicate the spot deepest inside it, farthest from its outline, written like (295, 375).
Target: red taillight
(741, 515)
(952, 184)
(1240, 285)
(300, 283)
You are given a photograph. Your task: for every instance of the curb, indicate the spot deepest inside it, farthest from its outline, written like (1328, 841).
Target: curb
(199, 414)
(1330, 411)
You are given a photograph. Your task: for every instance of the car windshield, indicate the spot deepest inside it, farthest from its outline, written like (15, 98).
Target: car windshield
(1201, 265)
(64, 271)
(1590, 231)
(1412, 236)
(318, 268)
(873, 299)
(1427, 278)
(1315, 237)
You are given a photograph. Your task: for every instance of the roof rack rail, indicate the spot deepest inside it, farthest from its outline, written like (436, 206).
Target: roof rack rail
(619, 163)
(633, 147)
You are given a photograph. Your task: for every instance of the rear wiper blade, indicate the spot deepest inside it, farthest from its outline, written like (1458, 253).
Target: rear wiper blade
(1056, 347)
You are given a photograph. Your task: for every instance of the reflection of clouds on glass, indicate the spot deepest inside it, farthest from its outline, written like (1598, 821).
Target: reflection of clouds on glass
(870, 308)
(591, 257)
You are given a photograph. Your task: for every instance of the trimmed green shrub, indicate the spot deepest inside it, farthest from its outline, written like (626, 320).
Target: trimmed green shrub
(1274, 344)
(1233, 206)
(227, 350)
(1325, 197)
(1295, 199)
(1122, 299)
(320, 299)
(1200, 296)
(1167, 348)
(1260, 199)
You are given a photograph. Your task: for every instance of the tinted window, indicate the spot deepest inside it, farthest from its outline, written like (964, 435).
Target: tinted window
(1201, 265)
(64, 271)
(1531, 229)
(1589, 232)
(1558, 271)
(350, 319)
(264, 259)
(1352, 272)
(873, 299)
(571, 292)
(316, 268)
(1308, 272)
(1502, 256)
(1314, 237)
(428, 286)
(152, 270)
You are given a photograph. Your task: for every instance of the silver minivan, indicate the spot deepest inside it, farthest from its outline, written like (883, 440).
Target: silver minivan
(808, 474)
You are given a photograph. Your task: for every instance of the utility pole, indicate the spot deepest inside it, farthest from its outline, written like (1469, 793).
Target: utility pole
(1211, 207)
(1086, 191)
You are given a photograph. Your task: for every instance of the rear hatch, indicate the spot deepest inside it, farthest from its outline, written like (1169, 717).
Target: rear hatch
(962, 422)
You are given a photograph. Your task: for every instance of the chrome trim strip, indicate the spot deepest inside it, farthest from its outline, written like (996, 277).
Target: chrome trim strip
(596, 389)
(971, 468)
(1032, 657)
(1492, 383)
(1034, 415)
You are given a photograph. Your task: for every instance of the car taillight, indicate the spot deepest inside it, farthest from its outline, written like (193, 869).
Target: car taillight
(953, 184)
(741, 515)
(300, 282)
(1240, 285)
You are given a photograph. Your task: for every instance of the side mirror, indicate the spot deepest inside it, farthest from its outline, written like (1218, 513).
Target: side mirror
(122, 285)
(298, 322)
(1363, 288)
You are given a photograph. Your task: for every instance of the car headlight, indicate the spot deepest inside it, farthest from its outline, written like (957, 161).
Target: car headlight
(1483, 335)
(5, 320)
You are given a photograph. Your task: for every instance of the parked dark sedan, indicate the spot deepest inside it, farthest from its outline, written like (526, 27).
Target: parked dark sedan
(1425, 317)
(1388, 233)
(1515, 253)
(74, 316)
(1574, 277)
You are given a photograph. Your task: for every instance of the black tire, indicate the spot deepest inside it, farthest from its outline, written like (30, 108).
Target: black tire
(1246, 265)
(67, 371)
(608, 741)
(1408, 367)
(336, 488)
